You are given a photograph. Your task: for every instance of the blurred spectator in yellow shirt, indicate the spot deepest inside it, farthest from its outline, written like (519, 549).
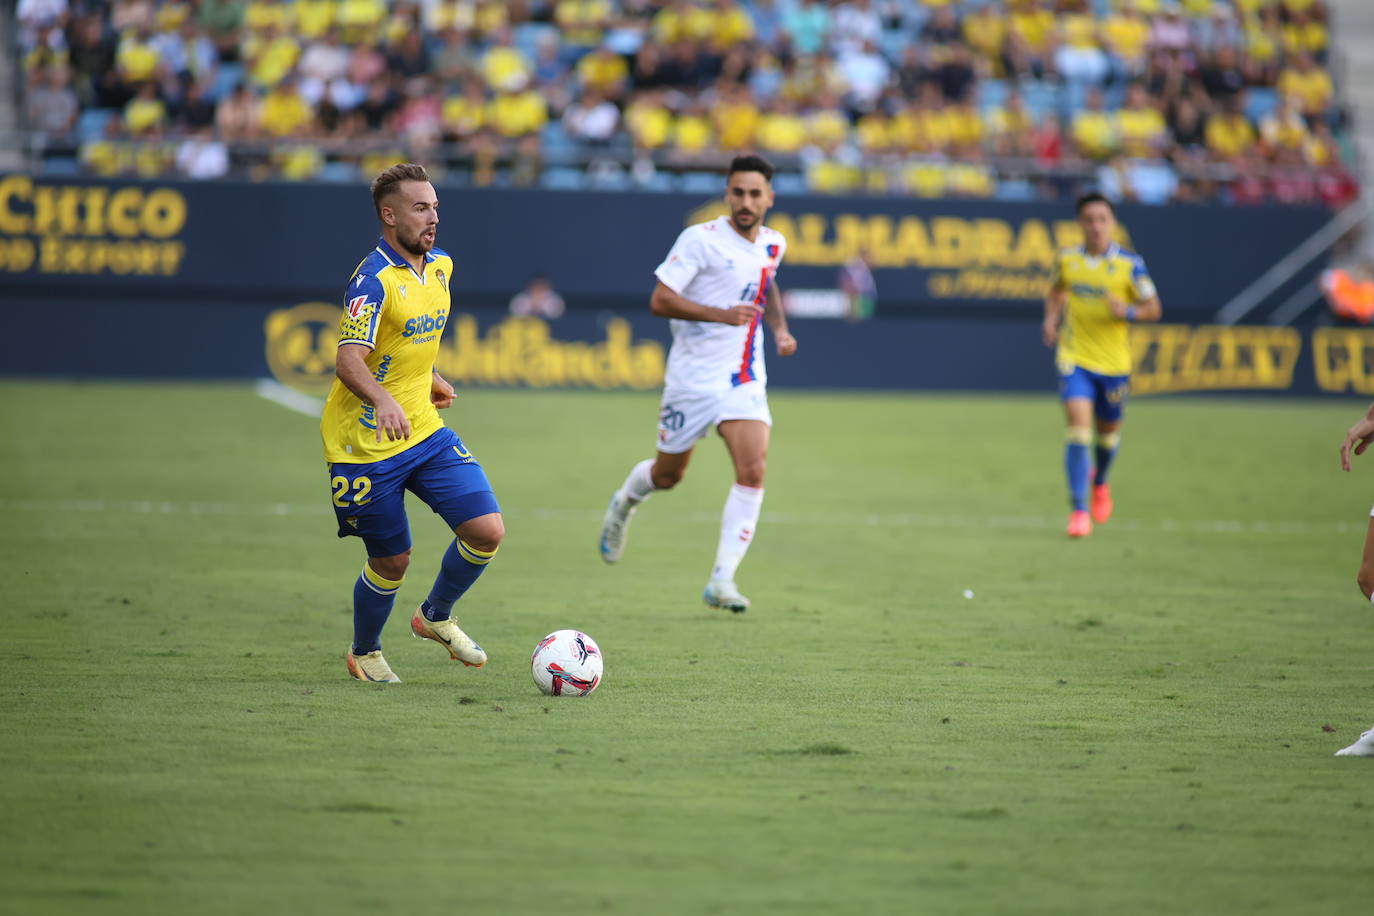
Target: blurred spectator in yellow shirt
(873, 133)
(581, 24)
(1229, 134)
(314, 17)
(136, 58)
(1140, 125)
(1126, 35)
(1304, 35)
(260, 15)
(730, 25)
(693, 135)
(518, 114)
(1093, 130)
(649, 120)
(504, 66)
(1284, 127)
(464, 115)
(1011, 127)
(604, 71)
(736, 118)
(270, 56)
(683, 20)
(985, 30)
(1310, 83)
(1030, 37)
(145, 112)
(781, 129)
(285, 113)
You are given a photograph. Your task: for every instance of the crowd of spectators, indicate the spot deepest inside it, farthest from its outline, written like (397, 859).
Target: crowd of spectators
(1152, 100)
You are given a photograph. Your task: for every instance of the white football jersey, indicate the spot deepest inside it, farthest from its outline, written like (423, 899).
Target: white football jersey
(714, 265)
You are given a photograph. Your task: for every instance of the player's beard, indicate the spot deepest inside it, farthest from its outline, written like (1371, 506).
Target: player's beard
(416, 244)
(749, 220)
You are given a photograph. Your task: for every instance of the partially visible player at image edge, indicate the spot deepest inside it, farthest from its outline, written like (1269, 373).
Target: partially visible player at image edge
(718, 287)
(1098, 289)
(383, 436)
(1357, 439)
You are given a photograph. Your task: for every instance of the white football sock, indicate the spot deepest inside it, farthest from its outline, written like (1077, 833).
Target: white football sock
(640, 483)
(737, 526)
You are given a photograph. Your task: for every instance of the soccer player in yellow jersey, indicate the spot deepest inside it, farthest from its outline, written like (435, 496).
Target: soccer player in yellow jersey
(1099, 288)
(383, 436)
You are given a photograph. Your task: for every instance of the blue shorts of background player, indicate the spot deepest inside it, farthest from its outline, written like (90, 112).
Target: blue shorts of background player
(1107, 392)
(369, 499)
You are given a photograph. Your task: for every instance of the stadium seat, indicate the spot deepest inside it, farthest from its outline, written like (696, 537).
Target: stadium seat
(562, 179)
(661, 182)
(789, 183)
(61, 166)
(338, 171)
(91, 123)
(701, 183)
(227, 77)
(1260, 102)
(527, 36)
(1016, 189)
(992, 94)
(1041, 98)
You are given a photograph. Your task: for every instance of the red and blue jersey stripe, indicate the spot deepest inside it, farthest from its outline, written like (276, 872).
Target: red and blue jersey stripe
(746, 368)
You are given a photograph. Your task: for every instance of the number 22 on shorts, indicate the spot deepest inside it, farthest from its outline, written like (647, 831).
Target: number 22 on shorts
(361, 487)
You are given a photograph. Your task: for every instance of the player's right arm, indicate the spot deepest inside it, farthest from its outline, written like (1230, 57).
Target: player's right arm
(1357, 438)
(358, 337)
(350, 365)
(667, 303)
(688, 258)
(1055, 301)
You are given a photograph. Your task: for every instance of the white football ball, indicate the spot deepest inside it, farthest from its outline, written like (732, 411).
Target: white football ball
(566, 663)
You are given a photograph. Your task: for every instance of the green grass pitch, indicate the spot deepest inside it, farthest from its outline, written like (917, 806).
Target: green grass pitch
(1136, 723)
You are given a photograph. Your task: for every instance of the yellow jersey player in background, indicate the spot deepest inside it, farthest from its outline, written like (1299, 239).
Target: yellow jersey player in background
(383, 436)
(1099, 288)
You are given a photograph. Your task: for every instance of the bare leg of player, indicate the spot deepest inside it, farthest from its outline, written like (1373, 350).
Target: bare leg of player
(662, 472)
(1364, 747)
(747, 441)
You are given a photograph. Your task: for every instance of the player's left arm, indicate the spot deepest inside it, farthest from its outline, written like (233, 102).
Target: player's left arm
(777, 321)
(1146, 305)
(441, 393)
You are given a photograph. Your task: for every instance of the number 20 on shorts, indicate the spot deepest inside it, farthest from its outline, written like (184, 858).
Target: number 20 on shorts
(361, 487)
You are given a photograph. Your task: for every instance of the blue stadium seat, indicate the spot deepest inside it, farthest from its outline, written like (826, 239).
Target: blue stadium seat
(1260, 103)
(1041, 98)
(701, 183)
(610, 180)
(338, 171)
(662, 182)
(527, 35)
(788, 183)
(1015, 189)
(562, 179)
(992, 94)
(227, 76)
(90, 125)
(61, 166)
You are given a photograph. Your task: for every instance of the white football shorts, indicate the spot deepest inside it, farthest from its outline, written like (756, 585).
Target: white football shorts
(685, 415)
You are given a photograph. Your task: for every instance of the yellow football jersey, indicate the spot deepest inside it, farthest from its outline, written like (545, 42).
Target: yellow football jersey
(399, 316)
(1091, 336)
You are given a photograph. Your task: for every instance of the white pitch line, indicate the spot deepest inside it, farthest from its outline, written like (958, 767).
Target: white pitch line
(289, 398)
(842, 519)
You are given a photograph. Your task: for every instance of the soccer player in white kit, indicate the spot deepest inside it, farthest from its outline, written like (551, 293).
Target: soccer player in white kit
(1357, 439)
(717, 285)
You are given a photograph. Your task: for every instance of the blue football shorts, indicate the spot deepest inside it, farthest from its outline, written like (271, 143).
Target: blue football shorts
(1107, 392)
(369, 499)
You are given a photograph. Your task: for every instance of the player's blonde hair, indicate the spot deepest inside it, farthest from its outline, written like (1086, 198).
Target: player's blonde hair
(385, 183)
